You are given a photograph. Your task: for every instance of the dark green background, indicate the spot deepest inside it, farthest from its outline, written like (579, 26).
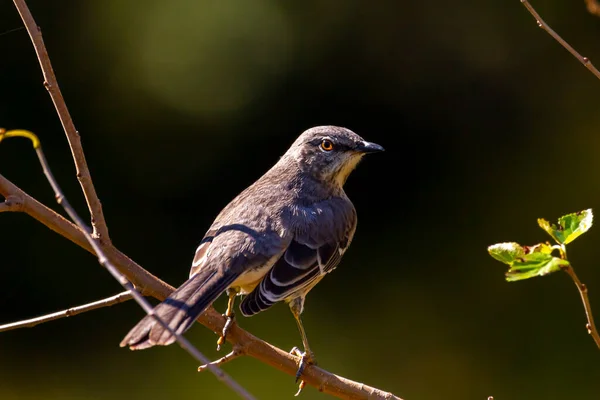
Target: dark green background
(487, 122)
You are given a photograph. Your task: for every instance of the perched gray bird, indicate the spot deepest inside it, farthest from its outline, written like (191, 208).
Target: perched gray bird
(274, 242)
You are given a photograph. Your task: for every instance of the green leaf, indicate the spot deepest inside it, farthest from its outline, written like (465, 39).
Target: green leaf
(506, 252)
(569, 227)
(534, 264)
(526, 261)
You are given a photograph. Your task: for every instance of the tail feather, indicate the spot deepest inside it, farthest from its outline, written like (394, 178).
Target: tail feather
(179, 310)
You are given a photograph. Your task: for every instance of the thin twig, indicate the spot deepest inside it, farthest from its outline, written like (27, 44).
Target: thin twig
(542, 24)
(152, 286)
(583, 292)
(100, 230)
(105, 262)
(593, 7)
(12, 30)
(235, 353)
(30, 323)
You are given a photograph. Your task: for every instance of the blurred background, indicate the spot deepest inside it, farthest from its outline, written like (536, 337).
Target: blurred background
(488, 125)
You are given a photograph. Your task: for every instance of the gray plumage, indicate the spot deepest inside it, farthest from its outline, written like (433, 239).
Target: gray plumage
(275, 240)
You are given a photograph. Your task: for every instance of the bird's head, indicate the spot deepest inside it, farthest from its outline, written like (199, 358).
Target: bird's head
(330, 153)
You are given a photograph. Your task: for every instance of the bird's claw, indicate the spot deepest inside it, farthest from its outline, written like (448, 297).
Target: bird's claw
(223, 337)
(306, 358)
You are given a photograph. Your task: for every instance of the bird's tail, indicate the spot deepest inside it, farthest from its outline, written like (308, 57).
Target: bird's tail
(180, 309)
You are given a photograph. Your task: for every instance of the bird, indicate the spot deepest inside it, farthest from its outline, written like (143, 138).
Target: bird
(273, 242)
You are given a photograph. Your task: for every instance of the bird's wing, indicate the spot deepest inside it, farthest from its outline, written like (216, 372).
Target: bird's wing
(202, 253)
(222, 257)
(299, 267)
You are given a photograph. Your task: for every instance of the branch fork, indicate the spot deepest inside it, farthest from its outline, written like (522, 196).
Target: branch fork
(237, 351)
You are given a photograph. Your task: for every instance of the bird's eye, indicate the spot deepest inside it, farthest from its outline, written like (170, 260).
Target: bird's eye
(326, 145)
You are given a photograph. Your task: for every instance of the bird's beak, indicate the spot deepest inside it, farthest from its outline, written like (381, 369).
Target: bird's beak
(368, 147)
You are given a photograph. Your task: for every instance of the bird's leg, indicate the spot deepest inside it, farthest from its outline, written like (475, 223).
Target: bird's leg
(231, 292)
(307, 357)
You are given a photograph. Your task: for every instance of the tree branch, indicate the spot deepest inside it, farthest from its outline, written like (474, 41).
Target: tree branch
(150, 285)
(30, 323)
(542, 24)
(100, 230)
(583, 292)
(145, 282)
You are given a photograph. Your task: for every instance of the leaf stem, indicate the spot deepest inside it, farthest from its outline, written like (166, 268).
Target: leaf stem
(563, 251)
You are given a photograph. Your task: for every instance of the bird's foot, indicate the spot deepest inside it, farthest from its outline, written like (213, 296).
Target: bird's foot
(228, 323)
(306, 358)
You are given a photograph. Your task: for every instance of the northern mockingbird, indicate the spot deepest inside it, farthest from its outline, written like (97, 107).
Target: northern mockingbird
(274, 242)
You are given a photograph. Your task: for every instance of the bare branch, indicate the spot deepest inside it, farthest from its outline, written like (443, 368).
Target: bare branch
(583, 292)
(584, 60)
(100, 230)
(146, 283)
(30, 323)
(150, 285)
(593, 7)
